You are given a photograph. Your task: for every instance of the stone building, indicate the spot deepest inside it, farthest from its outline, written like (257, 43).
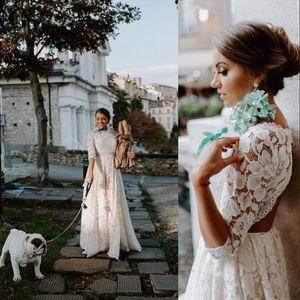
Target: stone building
(165, 113)
(199, 21)
(76, 88)
(166, 91)
(159, 100)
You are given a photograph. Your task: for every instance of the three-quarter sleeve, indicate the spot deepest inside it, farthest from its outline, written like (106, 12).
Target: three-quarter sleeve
(91, 146)
(254, 185)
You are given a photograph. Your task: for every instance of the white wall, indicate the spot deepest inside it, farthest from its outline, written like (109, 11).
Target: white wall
(284, 13)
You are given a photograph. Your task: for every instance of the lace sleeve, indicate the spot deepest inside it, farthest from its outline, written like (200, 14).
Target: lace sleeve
(253, 186)
(91, 146)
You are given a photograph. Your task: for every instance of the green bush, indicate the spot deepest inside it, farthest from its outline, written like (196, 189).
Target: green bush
(200, 109)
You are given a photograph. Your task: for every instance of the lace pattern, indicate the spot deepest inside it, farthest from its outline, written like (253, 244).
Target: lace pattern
(254, 185)
(249, 265)
(105, 223)
(91, 146)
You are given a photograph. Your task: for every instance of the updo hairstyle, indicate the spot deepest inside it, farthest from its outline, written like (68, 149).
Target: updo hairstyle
(261, 47)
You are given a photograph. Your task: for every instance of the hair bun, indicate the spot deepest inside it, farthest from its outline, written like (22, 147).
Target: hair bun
(292, 53)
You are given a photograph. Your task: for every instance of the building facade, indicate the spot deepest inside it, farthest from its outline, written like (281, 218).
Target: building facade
(165, 113)
(75, 89)
(159, 101)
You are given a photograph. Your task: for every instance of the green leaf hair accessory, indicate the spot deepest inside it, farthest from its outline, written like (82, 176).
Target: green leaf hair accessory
(253, 108)
(210, 137)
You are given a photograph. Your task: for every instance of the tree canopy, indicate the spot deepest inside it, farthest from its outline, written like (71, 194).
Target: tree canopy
(136, 104)
(29, 27)
(148, 133)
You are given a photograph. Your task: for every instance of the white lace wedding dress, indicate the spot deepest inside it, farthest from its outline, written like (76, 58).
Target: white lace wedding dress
(249, 265)
(105, 223)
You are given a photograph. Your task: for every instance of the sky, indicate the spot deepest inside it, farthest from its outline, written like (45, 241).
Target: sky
(148, 48)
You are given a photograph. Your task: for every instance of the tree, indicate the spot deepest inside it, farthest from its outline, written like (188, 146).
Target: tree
(29, 27)
(174, 137)
(121, 108)
(136, 104)
(174, 133)
(147, 132)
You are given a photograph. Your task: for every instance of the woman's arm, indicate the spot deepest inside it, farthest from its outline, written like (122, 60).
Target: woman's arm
(91, 156)
(89, 173)
(212, 224)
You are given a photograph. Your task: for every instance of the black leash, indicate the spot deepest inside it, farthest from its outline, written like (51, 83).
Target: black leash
(88, 187)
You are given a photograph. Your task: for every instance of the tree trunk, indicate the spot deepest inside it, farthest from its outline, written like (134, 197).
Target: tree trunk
(1, 182)
(40, 113)
(1, 209)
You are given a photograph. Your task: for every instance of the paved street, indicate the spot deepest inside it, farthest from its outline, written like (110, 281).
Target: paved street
(21, 169)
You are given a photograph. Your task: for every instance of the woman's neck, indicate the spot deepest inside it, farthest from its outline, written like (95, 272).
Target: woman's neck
(279, 117)
(271, 99)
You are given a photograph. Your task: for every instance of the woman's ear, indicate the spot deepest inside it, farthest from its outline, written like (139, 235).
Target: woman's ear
(259, 76)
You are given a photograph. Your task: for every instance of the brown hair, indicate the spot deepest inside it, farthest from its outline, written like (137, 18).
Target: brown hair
(104, 112)
(261, 47)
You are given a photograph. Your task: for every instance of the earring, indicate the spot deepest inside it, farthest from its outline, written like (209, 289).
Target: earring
(110, 128)
(252, 109)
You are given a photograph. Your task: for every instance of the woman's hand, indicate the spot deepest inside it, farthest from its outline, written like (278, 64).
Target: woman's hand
(210, 161)
(89, 175)
(130, 154)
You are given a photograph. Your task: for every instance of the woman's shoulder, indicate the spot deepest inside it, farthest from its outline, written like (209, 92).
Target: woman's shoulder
(91, 133)
(266, 130)
(269, 134)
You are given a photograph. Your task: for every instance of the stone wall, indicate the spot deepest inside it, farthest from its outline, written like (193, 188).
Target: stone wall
(21, 126)
(155, 165)
(146, 164)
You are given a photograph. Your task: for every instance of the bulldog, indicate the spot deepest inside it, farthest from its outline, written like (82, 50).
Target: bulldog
(24, 248)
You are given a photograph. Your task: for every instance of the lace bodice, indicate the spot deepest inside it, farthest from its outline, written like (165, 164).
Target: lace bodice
(101, 142)
(253, 186)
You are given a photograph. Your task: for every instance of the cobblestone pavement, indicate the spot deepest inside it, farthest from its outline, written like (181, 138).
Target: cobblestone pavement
(185, 252)
(136, 276)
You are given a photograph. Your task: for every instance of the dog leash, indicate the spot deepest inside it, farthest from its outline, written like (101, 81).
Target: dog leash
(83, 205)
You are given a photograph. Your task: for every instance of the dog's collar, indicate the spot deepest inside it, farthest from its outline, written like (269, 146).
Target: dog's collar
(39, 248)
(34, 252)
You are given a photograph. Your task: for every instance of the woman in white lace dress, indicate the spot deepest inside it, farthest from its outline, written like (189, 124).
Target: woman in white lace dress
(105, 223)
(240, 255)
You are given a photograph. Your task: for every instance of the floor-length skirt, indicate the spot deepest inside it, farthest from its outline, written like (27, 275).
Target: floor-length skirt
(106, 223)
